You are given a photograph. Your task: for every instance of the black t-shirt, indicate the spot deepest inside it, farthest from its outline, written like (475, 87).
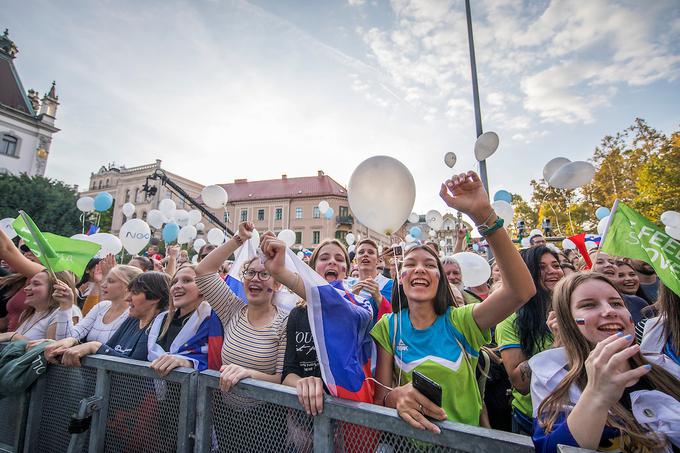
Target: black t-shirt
(300, 357)
(173, 330)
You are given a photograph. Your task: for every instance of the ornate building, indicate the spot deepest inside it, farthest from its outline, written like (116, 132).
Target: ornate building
(26, 122)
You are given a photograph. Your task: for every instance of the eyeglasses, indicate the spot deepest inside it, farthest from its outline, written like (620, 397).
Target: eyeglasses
(24, 248)
(262, 275)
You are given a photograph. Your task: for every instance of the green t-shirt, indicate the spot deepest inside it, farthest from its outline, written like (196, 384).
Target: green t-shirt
(436, 353)
(507, 337)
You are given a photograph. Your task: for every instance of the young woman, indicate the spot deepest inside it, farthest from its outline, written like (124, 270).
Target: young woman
(86, 283)
(628, 282)
(426, 333)
(105, 318)
(598, 392)
(254, 329)
(186, 334)
(660, 342)
(526, 333)
(606, 265)
(148, 295)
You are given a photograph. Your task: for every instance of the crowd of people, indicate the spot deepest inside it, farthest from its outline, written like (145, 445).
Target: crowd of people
(546, 347)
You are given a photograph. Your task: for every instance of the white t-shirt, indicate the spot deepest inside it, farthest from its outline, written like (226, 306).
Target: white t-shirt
(92, 326)
(35, 327)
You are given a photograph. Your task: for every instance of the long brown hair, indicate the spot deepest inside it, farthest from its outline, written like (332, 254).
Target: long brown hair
(315, 254)
(634, 436)
(669, 311)
(64, 277)
(171, 302)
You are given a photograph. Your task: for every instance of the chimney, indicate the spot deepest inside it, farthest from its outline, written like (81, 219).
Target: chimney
(240, 181)
(284, 177)
(319, 173)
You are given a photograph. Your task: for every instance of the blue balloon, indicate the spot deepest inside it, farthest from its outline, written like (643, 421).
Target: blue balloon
(601, 212)
(503, 195)
(103, 201)
(170, 232)
(415, 232)
(329, 213)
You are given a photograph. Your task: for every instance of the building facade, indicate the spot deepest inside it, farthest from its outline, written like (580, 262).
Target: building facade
(26, 122)
(126, 185)
(293, 203)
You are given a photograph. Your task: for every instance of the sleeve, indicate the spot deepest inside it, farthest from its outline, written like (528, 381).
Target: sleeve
(381, 333)
(640, 330)
(290, 363)
(506, 335)
(63, 320)
(560, 435)
(80, 330)
(464, 322)
(281, 350)
(222, 299)
(139, 349)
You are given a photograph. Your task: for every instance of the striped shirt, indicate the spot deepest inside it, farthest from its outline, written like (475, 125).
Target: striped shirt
(92, 326)
(260, 349)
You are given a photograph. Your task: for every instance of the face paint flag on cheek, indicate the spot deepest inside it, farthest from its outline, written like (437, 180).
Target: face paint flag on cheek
(580, 321)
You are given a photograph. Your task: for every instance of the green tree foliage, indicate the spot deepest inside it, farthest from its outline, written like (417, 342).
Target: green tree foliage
(51, 204)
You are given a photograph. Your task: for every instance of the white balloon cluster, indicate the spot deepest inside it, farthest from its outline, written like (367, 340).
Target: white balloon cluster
(671, 220)
(561, 173)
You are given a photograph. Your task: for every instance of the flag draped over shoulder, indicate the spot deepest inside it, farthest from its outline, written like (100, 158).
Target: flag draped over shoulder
(57, 253)
(631, 235)
(340, 323)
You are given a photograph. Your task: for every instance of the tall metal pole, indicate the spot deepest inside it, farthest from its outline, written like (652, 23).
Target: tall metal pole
(475, 93)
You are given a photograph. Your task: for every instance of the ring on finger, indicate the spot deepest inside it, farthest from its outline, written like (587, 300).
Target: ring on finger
(420, 409)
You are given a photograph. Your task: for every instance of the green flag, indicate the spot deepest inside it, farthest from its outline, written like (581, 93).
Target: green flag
(56, 253)
(631, 235)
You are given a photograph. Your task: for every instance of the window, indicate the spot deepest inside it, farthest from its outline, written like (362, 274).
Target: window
(244, 215)
(136, 195)
(278, 215)
(107, 182)
(127, 195)
(340, 235)
(298, 237)
(226, 217)
(298, 213)
(8, 146)
(144, 215)
(316, 213)
(344, 211)
(260, 214)
(100, 184)
(316, 237)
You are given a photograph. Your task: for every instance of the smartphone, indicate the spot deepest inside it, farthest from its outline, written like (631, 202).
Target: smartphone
(427, 387)
(397, 250)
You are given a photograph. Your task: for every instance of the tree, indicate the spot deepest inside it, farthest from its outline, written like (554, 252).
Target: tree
(51, 204)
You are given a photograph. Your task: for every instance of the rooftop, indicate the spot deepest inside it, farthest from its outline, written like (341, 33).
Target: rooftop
(306, 186)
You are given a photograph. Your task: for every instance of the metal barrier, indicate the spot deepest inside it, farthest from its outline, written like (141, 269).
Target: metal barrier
(112, 404)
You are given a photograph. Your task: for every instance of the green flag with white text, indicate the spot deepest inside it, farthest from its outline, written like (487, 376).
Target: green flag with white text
(631, 235)
(57, 253)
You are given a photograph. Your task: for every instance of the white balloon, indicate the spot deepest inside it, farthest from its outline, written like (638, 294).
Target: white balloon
(602, 224)
(486, 145)
(6, 225)
(110, 244)
(194, 217)
(255, 238)
(155, 218)
(323, 206)
(200, 226)
(432, 233)
(351, 248)
(552, 166)
(181, 216)
(80, 237)
(300, 255)
(349, 238)
(590, 245)
(671, 218)
(414, 218)
(134, 235)
(450, 159)
(287, 236)
(568, 244)
(535, 232)
(525, 243)
(381, 193)
(573, 175)
(186, 234)
(198, 243)
(214, 197)
(442, 243)
(167, 206)
(673, 231)
(215, 236)
(434, 219)
(474, 268)
(504, 210)
(85, 204)
(409, 239)
(128, 209)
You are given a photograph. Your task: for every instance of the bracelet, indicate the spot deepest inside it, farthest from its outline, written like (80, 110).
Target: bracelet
(385, 397)
(487, 218)
(10, 338)
(238, 239)
(487, 230)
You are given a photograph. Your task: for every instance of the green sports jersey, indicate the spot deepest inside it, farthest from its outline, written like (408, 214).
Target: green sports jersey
(437, 352)
(507, 337)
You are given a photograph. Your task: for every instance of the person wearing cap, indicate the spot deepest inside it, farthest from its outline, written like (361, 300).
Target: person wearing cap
(536, 238)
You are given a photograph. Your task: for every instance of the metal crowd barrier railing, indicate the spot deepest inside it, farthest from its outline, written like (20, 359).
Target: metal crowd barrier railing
(110, 404)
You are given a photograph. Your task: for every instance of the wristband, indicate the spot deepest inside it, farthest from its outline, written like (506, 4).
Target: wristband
(238, 239)
(485, 230)
(10, 338)
(385, 397)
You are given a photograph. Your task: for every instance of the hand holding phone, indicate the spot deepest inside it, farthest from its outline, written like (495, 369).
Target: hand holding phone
(429, 388)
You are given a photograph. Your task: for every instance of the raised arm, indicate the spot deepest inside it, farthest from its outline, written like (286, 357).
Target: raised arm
(465, 193)
(211, 263)
(275, 253)
(16, 259)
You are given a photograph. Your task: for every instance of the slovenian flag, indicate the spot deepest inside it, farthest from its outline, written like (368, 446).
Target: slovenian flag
(340, 323)
(94, 229)
(580, 241)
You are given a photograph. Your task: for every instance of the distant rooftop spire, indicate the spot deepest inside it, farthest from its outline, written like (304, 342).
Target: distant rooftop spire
(7, 46)
(53, 91)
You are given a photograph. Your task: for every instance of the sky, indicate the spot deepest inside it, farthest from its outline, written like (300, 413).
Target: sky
(227, 89)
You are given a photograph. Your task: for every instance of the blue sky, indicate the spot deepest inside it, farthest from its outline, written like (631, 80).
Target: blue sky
(229, 89)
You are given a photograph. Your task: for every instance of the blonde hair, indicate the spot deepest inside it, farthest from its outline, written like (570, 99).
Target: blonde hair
(634, 436)
(66, 277)
(125, 273)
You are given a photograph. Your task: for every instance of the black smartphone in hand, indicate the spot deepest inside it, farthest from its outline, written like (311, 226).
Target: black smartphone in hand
(429, 388)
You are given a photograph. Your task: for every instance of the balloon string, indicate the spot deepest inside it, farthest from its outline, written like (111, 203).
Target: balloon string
(82, 219)
(399, 314)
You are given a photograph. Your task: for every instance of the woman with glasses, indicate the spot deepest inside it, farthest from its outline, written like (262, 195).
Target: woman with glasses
(254, 329)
